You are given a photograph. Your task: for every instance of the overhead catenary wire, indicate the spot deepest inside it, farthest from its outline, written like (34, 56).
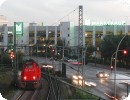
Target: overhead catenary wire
(59, 20)
(64, 16)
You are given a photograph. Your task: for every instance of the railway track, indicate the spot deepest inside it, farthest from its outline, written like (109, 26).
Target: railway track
(26, 95)
(54, 88)
(34, 94)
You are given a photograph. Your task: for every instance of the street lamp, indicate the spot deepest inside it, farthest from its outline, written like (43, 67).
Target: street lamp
(115, 65)
(111, 66)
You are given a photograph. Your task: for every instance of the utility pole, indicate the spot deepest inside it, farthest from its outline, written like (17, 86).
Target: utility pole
(14, 50)
(18, 30)
(80, 40)
(63, 48)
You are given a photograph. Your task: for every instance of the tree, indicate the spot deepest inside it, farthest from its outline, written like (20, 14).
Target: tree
(109, 44)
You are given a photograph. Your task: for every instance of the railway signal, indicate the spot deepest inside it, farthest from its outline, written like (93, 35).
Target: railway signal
(12, 55)
(111, 67)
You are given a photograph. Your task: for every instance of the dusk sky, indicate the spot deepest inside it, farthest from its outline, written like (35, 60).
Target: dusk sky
(50, 11)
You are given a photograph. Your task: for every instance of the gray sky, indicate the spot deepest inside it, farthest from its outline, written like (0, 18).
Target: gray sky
(50, 11)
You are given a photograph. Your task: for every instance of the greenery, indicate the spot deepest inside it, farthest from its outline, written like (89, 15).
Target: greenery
(5, 78)
(108, 47)
(4, 58)
(82, 95)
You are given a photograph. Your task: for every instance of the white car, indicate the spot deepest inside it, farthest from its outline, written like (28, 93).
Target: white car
(102, 74)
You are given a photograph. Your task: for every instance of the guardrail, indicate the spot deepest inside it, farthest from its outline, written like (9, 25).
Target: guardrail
(69, 91)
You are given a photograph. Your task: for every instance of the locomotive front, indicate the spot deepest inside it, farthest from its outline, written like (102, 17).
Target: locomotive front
(31, 74)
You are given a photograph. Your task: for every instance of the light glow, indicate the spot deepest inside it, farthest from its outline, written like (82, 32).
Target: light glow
(75, 77)
(47, 66)
(34, 77)
(80, 77)
(101, 75)
(106, 75)
(25, 77)
(92, 83)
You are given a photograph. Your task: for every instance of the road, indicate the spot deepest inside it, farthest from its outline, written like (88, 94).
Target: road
(105, 87)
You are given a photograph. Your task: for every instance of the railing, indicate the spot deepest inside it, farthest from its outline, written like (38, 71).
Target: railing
(64, 90)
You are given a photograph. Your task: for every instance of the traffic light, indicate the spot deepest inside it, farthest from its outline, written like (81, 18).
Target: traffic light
(12, 55)
(111, 67)
(125, 52)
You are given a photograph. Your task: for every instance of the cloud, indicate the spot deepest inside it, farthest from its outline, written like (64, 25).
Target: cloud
(2, 1)
(49, 11)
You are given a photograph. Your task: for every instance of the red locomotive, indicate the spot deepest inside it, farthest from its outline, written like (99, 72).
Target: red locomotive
(31, 74)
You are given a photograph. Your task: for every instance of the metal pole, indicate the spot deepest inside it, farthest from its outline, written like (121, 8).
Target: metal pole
(83, 65)
(46, 53)
(37, 52)
(115, 66)
(46, 49)
(12, 65)
(112, 57)
(15, 66)
(127, 90)
(111, 61)
(63, 49)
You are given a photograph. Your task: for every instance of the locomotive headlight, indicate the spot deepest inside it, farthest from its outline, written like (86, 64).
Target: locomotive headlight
(34, 77)
(25, 77)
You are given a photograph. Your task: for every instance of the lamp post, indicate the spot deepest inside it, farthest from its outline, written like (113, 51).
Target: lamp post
(115, 65)
(112, 59)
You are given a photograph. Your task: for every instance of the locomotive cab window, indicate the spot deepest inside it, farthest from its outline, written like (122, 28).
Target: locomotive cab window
(28, 65)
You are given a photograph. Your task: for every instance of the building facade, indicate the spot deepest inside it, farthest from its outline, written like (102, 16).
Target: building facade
(66, 31)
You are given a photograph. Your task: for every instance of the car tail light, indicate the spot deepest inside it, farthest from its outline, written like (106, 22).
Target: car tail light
(25, 77)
